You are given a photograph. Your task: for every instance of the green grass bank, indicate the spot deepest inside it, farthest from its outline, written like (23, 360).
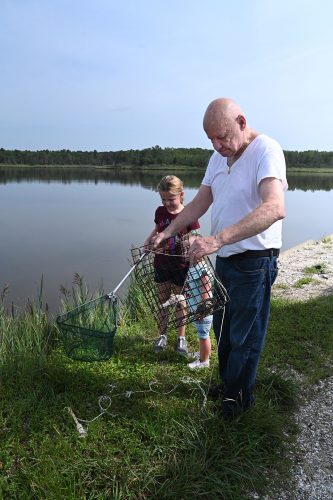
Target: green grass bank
(155, 438)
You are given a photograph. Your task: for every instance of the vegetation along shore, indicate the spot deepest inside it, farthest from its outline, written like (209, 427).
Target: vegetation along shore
(150, 432)
(154, 157)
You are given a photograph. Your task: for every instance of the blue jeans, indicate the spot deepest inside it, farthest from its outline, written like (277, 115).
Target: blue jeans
(241, 340)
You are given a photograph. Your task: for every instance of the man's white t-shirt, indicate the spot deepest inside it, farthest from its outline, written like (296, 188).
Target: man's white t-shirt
(236, 191)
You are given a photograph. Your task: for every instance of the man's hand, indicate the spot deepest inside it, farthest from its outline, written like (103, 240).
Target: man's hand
(158, 239)
(201, 247)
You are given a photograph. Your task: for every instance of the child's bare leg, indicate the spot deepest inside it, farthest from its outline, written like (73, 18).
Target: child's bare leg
(203, 328)
(181, 311)
(206, 287)
(205, 349)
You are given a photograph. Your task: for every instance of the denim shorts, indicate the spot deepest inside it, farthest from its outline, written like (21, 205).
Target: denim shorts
(203, 326)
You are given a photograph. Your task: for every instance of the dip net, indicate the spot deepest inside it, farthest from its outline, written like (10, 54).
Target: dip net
(177, 292)
(87, 331)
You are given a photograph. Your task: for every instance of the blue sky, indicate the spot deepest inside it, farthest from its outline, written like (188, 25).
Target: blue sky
(110, 75)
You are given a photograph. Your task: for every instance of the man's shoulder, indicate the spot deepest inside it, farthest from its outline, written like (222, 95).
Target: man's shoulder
(216, 165)
(216, 160)
(264, 142)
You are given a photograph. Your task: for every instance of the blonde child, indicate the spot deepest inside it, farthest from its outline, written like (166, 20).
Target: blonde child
(204, 324)
(170, 272)
(197, 290)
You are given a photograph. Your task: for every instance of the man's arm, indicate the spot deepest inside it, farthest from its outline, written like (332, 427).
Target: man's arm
(192, 212)
(271, 210)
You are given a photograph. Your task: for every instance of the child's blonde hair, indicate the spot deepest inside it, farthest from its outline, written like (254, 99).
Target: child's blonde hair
(171, 184)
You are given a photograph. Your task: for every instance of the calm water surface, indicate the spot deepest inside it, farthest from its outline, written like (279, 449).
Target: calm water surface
(55, 223)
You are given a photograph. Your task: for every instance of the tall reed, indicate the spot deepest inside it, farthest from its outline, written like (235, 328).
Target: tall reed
(24, 333)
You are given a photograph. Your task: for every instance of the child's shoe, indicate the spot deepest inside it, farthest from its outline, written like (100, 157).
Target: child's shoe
(160, 343)
(197, 364)
(181, 346)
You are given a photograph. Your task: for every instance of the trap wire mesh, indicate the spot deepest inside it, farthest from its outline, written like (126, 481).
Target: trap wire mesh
(87, 332)
(195, 293)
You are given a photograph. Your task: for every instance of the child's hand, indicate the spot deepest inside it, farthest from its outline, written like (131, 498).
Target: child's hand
(148, 244)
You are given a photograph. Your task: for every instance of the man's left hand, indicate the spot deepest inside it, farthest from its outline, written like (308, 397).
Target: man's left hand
(202, 246)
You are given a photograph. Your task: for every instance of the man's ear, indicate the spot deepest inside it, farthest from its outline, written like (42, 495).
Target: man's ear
(241, 120)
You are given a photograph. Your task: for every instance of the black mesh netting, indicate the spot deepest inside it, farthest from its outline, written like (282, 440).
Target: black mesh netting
(87, 332)
(177, 292)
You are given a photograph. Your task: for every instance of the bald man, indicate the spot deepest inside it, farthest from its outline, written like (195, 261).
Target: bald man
(245, 183)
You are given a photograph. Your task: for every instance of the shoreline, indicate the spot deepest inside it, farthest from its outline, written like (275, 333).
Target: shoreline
(313, 459)
(306, 271)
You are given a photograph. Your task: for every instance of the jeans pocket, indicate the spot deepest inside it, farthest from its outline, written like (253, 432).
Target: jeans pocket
(250, 266)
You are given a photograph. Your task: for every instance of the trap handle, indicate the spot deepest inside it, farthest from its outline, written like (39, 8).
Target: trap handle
(111, 294)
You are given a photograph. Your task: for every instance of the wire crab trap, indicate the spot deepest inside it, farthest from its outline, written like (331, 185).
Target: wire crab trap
(177, 293)
(87, 331)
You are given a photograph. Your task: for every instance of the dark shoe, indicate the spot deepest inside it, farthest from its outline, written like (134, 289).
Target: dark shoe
(215, 391)
(230, 408)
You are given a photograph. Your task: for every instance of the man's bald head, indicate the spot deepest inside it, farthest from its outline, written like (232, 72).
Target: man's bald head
(221, 111)
(225, 125)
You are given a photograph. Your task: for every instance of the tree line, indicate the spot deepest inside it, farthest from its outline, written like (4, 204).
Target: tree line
(149, 157)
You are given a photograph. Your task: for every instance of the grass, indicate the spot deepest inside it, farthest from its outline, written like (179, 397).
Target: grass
(327, 240)
(309, 271)
(316, 269)
(305, 280)
(162, 444)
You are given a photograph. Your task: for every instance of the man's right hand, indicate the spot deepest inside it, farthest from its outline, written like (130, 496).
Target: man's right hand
(158, 239)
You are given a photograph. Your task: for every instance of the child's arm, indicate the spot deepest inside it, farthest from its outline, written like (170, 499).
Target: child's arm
(151, 235)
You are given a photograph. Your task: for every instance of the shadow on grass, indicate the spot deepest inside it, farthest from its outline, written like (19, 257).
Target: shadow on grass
(300, 337)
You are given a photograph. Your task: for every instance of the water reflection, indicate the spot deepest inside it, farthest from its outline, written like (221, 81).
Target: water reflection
(310, 182)
(60, 221)
(132, 177)
(140, 177)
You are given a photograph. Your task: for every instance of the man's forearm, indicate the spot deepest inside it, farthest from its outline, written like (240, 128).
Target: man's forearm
(184, 219)
(192, 212)
(254, 223)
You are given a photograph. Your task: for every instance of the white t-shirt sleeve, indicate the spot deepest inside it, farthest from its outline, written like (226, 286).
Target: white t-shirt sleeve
(207, 180)
(272, 164)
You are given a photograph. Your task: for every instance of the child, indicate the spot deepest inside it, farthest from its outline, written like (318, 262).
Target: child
(197, 290)
(170, 272)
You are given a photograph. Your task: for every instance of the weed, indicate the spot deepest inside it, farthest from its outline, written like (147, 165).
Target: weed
(305, 280)
(281, 286)
(327, 240)
(316, 269)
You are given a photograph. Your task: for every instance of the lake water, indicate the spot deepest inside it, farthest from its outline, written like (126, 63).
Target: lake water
(57, 222)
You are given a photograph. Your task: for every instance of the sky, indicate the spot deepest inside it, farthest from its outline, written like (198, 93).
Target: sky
(111, 75)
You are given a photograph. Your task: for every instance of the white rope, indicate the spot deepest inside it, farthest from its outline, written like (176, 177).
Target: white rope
(104, 402)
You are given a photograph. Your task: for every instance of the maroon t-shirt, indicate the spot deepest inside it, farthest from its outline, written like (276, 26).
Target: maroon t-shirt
(162, 219)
